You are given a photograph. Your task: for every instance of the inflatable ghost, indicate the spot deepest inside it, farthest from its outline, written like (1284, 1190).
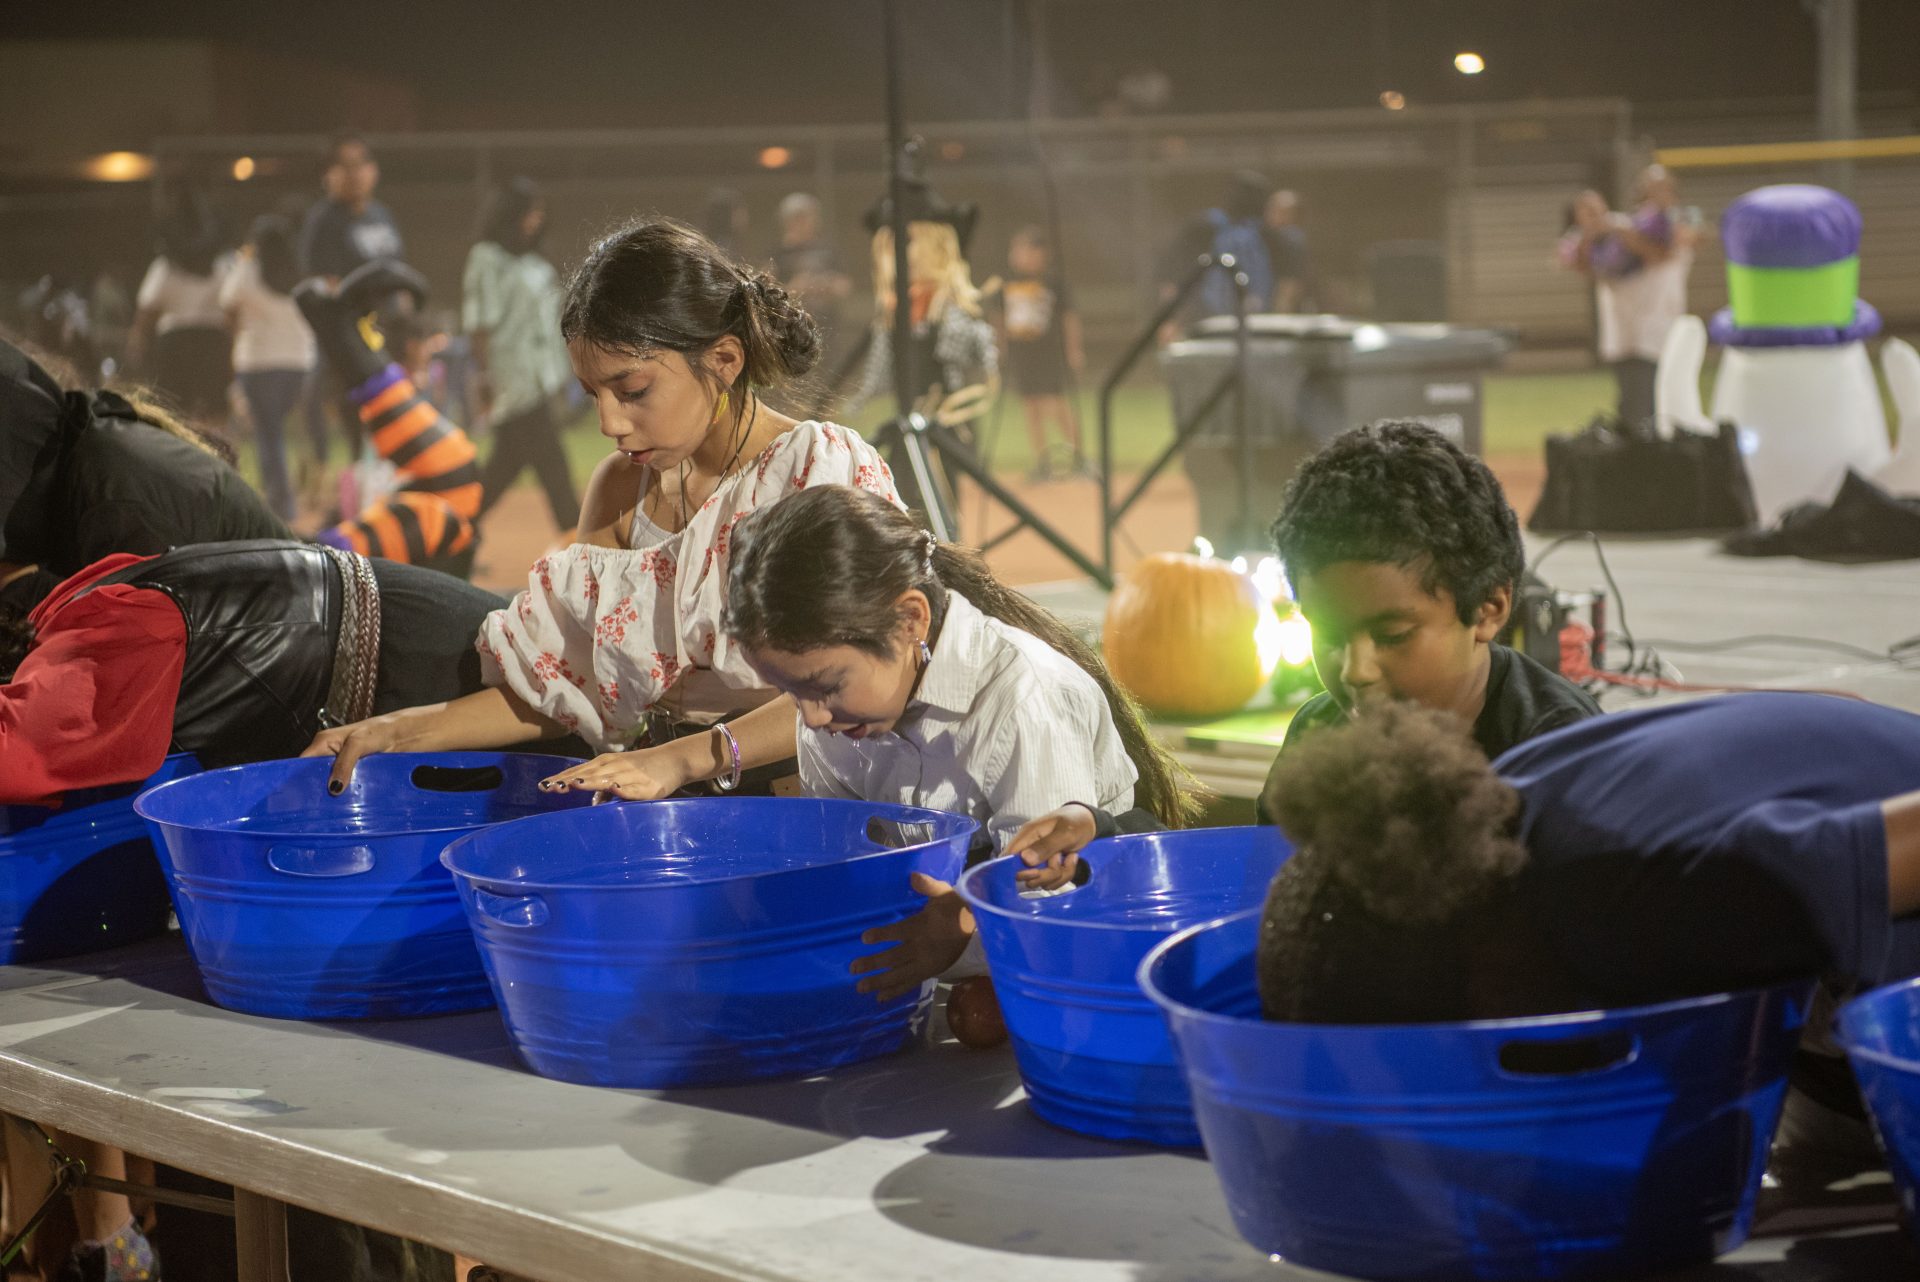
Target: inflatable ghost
(1794, 375)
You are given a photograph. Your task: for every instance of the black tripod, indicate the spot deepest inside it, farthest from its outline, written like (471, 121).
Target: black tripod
(910, 441)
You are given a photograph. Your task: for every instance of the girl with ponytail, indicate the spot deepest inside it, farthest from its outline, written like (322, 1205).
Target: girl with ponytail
(618, 638)
(921, 679)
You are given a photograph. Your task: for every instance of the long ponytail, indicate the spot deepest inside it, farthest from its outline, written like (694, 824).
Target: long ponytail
(1166, 788)
(826, 567)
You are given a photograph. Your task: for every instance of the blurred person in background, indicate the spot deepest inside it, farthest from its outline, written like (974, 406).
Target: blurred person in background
(1041, 334)
(1237, 226)
(57, 319)
(348, 227)
(806, 264)
(179, 340)
(1638, 307)
(345, 229)
(415, 490)
(1286, 246)
(110, 307)
(273, 352)
(725, 220)
(511, 312)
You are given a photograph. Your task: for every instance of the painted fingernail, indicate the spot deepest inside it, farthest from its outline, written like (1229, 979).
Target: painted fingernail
(336, 787)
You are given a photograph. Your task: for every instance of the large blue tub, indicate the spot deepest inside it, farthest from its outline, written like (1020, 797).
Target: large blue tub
(308, 906)
(1610, 1144)
(1881, 1032)
(81, 876)
(1093, 1051)
(697, 942)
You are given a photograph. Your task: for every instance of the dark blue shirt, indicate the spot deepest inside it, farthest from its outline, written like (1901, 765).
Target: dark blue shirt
(1717, 844)
(335, 240)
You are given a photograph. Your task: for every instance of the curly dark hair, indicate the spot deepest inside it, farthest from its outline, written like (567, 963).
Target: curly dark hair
(1400, 493)
(1399, 905)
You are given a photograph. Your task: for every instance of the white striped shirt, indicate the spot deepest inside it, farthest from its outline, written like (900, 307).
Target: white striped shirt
(1003, 728)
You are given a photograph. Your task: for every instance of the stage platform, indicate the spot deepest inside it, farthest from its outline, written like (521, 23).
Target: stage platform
(1798, 625)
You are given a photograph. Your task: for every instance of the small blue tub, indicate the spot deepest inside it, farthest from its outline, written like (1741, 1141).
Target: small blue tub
(698, 942)
(81, 876)
(1610, 1144)
(1093, 1051)
(1881, 1032)
(302, 905)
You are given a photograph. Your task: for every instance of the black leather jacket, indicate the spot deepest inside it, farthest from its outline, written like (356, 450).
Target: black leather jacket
(262, 622)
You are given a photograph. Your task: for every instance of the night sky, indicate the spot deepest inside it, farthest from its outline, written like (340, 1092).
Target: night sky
(507, 63)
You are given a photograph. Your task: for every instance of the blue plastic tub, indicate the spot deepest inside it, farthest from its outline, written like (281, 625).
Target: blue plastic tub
(1610, 1144)
(1093, 1051)
(81, 876)
(1881, 1032)
(302, 905)
(698, 942)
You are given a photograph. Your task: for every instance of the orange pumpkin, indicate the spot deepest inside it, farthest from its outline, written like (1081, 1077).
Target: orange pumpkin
(1179, 635)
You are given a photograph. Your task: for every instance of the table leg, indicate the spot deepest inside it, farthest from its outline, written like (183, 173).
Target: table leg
(260, 1233)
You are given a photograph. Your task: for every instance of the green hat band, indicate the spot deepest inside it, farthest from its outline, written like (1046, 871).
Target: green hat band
(1793, 297)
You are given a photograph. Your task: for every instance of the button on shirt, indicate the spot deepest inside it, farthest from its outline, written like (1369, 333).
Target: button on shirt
(1002, 728)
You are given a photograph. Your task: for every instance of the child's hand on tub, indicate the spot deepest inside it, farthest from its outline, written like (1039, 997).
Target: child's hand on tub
(645, 774)
(1048, 844)
(925, 945)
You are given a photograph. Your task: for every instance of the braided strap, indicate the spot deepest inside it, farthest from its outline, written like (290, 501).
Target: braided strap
(356, 663)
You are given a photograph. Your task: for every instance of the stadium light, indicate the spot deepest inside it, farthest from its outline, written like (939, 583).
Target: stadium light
(120, 167)
(775, 157)
(243, 169)
(1468, 63)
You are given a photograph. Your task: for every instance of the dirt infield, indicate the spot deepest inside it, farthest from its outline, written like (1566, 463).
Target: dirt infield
(518, 529)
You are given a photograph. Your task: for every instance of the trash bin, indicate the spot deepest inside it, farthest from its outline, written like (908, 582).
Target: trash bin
(1409, 280)
(1309, 379)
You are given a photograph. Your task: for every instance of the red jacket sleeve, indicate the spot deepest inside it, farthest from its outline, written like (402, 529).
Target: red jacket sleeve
(92, 703)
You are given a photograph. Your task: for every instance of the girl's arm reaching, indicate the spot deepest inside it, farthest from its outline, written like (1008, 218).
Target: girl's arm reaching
(766, 736)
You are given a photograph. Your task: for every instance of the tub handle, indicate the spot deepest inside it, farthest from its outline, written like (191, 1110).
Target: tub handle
(518, 911)
(457, 778)
(1570, 1056)
(892, 834)
(322, 861)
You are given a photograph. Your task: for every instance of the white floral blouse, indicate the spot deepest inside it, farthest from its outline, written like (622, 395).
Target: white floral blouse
(601, 635)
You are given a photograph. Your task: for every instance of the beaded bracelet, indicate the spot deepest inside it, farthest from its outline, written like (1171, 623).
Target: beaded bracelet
(732, 779)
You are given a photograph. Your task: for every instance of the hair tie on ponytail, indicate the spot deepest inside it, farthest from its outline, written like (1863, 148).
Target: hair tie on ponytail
(928, 544)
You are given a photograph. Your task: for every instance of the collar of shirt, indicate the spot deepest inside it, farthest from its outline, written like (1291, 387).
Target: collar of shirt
(959, 665)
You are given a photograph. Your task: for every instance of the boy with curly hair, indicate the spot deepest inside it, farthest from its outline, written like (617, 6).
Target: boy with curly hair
(1404, 555)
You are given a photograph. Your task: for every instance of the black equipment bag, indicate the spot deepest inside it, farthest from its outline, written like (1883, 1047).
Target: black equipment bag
(1611, 478)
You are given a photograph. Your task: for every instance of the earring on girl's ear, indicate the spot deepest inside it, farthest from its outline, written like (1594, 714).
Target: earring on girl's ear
(926, 654)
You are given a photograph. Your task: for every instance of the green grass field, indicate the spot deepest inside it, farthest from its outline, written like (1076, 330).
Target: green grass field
(1519, 411)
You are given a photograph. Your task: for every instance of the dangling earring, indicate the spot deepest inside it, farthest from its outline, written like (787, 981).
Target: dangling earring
(719, 408)
(926, 655)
